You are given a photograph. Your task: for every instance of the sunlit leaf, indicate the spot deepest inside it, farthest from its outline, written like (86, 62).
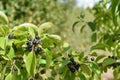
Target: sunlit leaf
(3, 18)
(48, 58)
(108, 61)
(30, 62)
(9, 76)
(81, 76)
(2, 42)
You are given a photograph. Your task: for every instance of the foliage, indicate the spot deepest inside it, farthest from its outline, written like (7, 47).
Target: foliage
(106, 30)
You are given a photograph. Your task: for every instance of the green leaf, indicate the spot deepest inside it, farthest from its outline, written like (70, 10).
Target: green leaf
(11, 53)
(48, 58)
(99, 46)
(94, 66)
(83, 26)
(42, 61)
(26, 27)
(85, 69)
(9, 76)
(99, 58)
(74, 24)
(93, 54)
(3, 18)
(55, 39)
(30, 62)
(108, 61)
(2, 42)
(45, 27)
(81, 76)
(91, 25)
(94, 37)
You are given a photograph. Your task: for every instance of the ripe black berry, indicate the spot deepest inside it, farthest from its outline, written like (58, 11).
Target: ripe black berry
(77, 66)
(92, 59)
(37, 50)
(69, 55)
(10, 36)
(36, 76)
(71, 59)
(15, 69)
(42, 71)
(71, 68)
(37, 37)
(21, 67)
(35, 41)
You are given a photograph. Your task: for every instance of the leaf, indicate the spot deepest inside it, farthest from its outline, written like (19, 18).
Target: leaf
(99, 58)
(74, 24)
(45, 27)
(94, 66)
(42, 61)
(55, 39)
(11, 53)
(85, 69)
(91, 25)
(3, 18)
(99, 46)
(83, 26)
(81, 76)
(2, 42)
(30, 62)
(66, 46)
(26, 27)
(94, 37)
(9, 76)
(93, 54)
(48, 58)
(108, 61)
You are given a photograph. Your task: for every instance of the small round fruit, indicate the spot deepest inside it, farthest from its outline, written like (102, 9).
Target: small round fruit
(10, 36)
(71, 59)
(42, 71)
(69, 55)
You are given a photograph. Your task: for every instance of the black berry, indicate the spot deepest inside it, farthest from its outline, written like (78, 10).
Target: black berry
(37, 37)
(92, 59)
(15, 69)
(35, 41)
(36, 76)
(71, 59)
(77, 66)
(69, 55)
(10, 36)
(42, 71)
(37, 50)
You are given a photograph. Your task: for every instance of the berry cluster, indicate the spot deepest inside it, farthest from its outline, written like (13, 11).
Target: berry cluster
(72, 65)
(33, 45)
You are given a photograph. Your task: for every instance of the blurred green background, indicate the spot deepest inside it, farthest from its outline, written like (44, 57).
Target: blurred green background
(61, 13)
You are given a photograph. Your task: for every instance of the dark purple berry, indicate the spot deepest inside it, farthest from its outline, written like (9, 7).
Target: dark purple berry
(10, 36)
(42, 71)
(36, 76)
(71, 59)
(92, 59)
(15, 69)
(77, 66)
(21, 67)
(37, 50)
(37, 37)
(35, 41)
(69, 55)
